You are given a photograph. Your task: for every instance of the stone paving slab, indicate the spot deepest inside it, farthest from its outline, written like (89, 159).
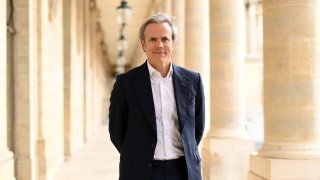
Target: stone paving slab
(97, 160)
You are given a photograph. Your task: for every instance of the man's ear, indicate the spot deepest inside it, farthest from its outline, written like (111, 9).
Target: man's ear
(143, 45)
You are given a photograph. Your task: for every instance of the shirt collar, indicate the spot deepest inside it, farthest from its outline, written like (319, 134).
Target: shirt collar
(153, 71)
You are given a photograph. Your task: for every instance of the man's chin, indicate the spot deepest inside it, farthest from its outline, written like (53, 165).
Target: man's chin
(161, 61)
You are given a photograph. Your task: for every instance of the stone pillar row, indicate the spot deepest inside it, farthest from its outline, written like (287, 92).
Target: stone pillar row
(41, 131)
(226, 146)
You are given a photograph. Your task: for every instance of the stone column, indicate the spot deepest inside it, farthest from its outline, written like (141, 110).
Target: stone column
(25, 93)
(197, 44)
(95, 29)
(88, 90)
(6, 156)
(67, 77)
(99, 38)
(50, 86)
(178, 11)
(73, 76)
(291, 148)
(227, 147)
(252, 31)
(166, 6)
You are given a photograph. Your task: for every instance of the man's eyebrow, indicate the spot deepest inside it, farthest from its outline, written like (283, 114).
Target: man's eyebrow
(159, 37)
(152, 38)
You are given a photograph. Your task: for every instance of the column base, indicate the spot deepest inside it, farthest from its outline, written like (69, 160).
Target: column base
(226, 158)
(6, 165)
(50, 159)
(294, 150)
(25, 167)
(262, 168)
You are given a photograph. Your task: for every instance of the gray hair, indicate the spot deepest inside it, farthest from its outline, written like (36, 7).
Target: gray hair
(159, 18)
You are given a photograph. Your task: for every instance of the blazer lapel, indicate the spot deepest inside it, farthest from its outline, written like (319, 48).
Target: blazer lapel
(143, 90)
(181, 91)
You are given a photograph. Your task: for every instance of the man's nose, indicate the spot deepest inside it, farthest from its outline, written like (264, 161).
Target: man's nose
(159, 44)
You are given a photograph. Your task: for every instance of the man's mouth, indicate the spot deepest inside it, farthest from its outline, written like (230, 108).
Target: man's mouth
(158, 52)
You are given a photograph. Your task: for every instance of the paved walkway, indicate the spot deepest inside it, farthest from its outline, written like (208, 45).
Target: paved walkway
(97, 160)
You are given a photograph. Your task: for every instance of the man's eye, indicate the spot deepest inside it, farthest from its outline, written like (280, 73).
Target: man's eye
(165, 39)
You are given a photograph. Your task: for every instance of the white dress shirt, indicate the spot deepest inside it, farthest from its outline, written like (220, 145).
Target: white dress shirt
(169, 145)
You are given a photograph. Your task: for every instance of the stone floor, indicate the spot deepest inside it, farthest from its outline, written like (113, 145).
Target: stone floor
(97, 160)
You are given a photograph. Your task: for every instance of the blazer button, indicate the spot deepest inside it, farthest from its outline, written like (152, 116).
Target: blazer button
(153, 145)
(150, 164)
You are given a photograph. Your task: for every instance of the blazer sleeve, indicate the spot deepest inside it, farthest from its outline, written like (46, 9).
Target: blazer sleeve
(199, 112)
(117, 113)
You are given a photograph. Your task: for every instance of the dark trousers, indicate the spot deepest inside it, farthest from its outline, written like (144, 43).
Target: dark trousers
(170, 169)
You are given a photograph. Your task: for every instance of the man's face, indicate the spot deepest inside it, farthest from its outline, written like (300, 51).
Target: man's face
(158, 44)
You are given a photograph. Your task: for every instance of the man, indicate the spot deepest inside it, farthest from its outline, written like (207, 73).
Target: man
(156, 114)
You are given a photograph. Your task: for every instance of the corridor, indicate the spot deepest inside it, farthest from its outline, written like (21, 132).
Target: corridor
(259, 62)
(97, 160)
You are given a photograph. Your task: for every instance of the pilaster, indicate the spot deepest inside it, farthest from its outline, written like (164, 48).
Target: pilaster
(67, 76)
(73, 64)
(88, 90)
(50, 87)
(25, 97)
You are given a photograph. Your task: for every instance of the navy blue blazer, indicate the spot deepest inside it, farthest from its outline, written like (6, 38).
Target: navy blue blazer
(132, 121)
